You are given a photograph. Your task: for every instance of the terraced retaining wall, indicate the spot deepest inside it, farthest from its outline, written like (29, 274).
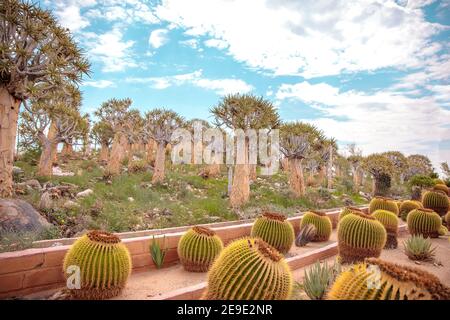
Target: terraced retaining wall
(39, 269)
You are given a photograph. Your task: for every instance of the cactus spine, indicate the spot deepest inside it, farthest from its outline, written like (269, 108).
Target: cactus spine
(396, 282)
(437, 201)
(360, 236)
(322, 223)
(425, 222)
(390, 221)
(407, 206)
(346, 210)
(249, 269)
(198, 248)
(274, 229)
(384, 204)
(104, 263)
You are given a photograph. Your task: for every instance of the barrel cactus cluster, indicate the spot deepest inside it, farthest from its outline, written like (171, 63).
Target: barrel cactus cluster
(274, 229)
(249, 269)
(436, 200)
(322, 223)
(383, 203)
(407, 206)
(198, 248)
(390, 222)
(104, 264)
(424, 222)
(442, 187)
(360, 236)
(392, 282)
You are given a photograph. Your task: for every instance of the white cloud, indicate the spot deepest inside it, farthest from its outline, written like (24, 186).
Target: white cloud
(192, 43)
(384, 120)
(216, 43)
(110, 49)
(69, 13)
(220, 86)
(99, 84)
(158, 38)
(310, 38)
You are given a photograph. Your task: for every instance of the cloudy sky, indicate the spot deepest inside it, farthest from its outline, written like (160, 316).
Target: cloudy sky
(375, 73)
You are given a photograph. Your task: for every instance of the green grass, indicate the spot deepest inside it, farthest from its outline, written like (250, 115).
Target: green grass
(183, 199)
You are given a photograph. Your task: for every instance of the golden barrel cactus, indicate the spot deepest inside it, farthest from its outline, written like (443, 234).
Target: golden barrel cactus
(442, 187)
(360, 236)
(346, 210)
(322, 223)
(407, 206)
(390, 221)
(198, 248)
(436, 200)
(380, 280)
(274, 229)
(384, 204)
(104, 264)
(424, 222)
(249, 269)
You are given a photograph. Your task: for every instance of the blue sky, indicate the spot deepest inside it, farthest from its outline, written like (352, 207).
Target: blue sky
(371, 72)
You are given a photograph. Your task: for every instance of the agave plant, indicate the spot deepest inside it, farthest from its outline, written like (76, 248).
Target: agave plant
(419, 248)
(306, 235)
(318, 278)
(158, 254)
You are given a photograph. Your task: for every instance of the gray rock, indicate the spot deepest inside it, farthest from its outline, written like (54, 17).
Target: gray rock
(33, 183)
(69, 204)
(46, 201)
(85, 193)
(18, 215)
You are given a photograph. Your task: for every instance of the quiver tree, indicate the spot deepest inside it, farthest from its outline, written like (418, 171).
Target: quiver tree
(381, 169)
(399, 164)
(445, 169)
(418, 165)
(355, 160)
(58, 113)
(133, 131)
(327, 152)
(103, 134)
(159, 125)
(34, 50)
(244, 111)
(299, 141)
(115, 112)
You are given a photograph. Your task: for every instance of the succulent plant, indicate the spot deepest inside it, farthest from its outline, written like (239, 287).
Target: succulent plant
(407, 206)
(442, 187)
(360, 236)
(198, 248)
(322, 223)
(305, 235)
(419, 248)
(390, 221)
(249, 269)
(346, 210)
(274, 229)
(437, 201)
(425, 222)
(104, 263)
(443, 231)
(383, 204)
(318, 278)
(380, 280)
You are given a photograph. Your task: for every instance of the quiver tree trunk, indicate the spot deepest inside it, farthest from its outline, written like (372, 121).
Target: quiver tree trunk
(285, 164)
(296, 179)
(159, 169)
(9, 112)
(117, 154)
(240, 190)
(104, 153)
(355, 180)
(151, 148)
(52, 137)
(45, 166)
(252, 171)
(381, 185)
(322, 174)
(330, 169)
(67, 149)
(212, 170)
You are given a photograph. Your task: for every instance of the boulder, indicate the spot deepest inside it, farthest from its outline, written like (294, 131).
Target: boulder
(46, 201)
(34, 184)
(85, 193)
(18, 215)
